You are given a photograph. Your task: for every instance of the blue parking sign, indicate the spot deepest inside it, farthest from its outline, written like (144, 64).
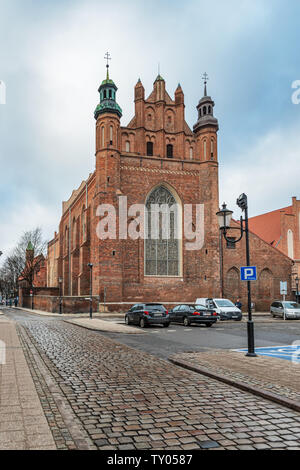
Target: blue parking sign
(249, 273)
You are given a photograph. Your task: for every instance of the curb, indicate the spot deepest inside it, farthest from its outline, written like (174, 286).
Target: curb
(294, 405)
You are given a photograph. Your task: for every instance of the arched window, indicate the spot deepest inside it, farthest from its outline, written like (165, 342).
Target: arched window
(290, 242)
(162, 249)
(127, 146)
(74, 233)
(109, 94)
(66, 240)
(83, 224)
(111, 134)
(104, 94)
(102, 136)
(212, 149)
(150, 149)
(169, 151)
(209, 109)
(204, 150)
(191, 153)
(204, 110)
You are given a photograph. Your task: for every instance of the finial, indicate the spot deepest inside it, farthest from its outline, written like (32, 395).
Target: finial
(205, 78)
(107, 57)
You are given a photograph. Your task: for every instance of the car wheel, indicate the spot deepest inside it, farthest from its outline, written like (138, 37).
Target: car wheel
(142, 323)
(208, 325)
(166, 325)
(186, 321)
(127, 321)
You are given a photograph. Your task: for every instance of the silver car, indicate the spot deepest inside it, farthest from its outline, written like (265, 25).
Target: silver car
(285, 309)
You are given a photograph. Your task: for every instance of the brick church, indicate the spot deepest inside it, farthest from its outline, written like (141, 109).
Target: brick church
(157, 157)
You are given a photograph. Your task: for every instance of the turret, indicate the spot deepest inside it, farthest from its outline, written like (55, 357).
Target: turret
(206, 127)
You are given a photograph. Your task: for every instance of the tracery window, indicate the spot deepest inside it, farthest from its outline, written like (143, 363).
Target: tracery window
(162, 248)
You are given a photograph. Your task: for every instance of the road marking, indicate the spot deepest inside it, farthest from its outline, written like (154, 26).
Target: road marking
(290, 352)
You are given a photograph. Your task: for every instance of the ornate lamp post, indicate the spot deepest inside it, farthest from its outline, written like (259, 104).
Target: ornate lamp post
(224, 219)
(60, 280)
(91, 289)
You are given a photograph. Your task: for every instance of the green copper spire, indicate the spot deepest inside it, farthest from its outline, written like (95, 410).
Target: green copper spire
(107, 92)
(30, 246)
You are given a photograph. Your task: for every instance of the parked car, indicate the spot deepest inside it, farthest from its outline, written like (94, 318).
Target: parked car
(285, 309)
(188, 314)
(224, 308)
(147, 314)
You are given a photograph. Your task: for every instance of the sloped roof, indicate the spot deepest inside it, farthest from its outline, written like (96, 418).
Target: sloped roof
(267, 226)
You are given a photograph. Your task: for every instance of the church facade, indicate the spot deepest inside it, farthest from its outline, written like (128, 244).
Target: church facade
(156, 159)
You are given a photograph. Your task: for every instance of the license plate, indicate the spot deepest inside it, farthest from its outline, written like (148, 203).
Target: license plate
(157, 314)
(206, 314)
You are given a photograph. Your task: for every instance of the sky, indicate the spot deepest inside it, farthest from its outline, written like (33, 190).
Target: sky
(52, 62)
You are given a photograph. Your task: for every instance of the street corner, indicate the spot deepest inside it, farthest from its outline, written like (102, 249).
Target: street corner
(106, 326)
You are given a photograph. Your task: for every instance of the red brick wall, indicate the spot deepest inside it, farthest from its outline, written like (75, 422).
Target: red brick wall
(272, 267)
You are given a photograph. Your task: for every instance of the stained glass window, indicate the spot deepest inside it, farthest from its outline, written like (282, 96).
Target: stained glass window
(162, 244)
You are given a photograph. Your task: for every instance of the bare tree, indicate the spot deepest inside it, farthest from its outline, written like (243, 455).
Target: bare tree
(16, 264)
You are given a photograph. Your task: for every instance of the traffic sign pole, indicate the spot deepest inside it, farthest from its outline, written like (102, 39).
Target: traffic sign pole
(250, 324)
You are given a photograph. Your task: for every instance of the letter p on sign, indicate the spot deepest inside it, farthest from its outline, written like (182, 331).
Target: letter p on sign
(248, 273)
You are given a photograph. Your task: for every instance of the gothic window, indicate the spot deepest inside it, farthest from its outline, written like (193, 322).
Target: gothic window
(109, 94)
(290, 240)
(74, 233)
(83, 224)
(127, 146)
(111, 134)
(204, 150)
(169, 151)
(102, 136)
(191, 153)
(204, 110)
(212, 149)
(162, 244)
(150, 148)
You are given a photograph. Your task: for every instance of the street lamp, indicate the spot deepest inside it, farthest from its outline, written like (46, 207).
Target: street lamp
(60, 280)
(91, 289)
(224, 219)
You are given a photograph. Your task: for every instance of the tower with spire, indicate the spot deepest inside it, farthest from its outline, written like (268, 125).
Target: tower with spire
(206, 127)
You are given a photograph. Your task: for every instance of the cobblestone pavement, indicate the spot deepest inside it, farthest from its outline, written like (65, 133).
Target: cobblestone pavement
(275, 375)
(125, 399)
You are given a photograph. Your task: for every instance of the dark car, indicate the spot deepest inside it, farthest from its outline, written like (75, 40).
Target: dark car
(147, 314)
(188, 314)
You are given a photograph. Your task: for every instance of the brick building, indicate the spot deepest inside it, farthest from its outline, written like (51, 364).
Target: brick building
(281, 229)
(157, 158)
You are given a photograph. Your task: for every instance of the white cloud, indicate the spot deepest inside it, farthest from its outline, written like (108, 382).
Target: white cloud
(268, 172)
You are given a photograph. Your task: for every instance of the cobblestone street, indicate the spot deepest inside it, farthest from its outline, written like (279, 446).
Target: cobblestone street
(99, 394)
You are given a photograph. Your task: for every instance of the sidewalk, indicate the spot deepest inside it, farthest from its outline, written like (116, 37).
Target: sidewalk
(105, 325)
(69, 315)
(23, 425)
(275, 379)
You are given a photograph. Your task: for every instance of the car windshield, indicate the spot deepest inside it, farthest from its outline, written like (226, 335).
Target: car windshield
(224, 303)
(199, 307)
(157, 307)
(291, 305)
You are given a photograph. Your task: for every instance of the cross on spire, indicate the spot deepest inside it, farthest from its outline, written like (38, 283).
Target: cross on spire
(205, 78)
(107, 57)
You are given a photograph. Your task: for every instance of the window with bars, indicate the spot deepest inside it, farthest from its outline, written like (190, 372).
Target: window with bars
(162, 244)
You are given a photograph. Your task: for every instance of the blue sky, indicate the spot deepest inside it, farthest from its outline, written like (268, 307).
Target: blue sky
(51, 60)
